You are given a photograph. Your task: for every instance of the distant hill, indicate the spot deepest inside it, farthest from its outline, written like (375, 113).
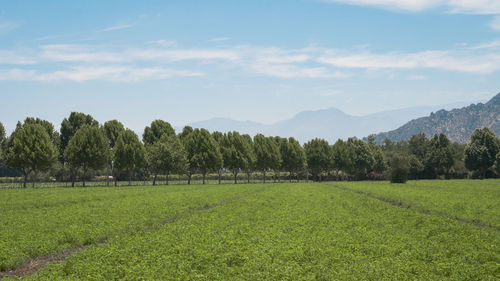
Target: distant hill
(329, 124)
(457, 124)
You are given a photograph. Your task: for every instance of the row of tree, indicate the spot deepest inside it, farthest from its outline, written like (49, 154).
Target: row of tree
(83, 146)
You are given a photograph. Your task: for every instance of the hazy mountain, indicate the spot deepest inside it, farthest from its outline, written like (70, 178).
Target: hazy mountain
(457, 124)
(329, 124)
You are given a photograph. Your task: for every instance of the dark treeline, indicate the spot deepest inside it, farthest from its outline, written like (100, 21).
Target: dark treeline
(83, 149)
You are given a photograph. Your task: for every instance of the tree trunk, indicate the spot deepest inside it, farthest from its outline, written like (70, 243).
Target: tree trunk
(34, 179)
(166, 178)
(130, 177)
(248, 176)
(204, 177)
(220, 175)
(189, 178)
(264, 174)
(154, 178)
(290, 176)
(279, 176)
(235, 177)
(116, 182)
(25, 179)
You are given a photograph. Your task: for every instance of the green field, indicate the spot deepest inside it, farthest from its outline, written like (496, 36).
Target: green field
(424, 230)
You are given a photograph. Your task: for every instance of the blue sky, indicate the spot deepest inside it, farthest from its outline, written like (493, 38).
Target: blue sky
(185, 61)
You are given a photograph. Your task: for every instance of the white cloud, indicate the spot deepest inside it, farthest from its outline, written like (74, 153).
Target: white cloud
(453, 6)
(495, 23)
(444, 60)
(7, 26)
(77, 53)
(10, 57)
(117, 27)
(292, 71)
(110, 73)
(163, 43)
(219, 39)
(185, 54)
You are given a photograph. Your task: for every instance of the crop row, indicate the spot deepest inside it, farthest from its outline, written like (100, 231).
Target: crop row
(38, 222)
(294, 232)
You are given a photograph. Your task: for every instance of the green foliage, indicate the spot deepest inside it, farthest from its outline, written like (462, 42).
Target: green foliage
(481, 152)
(70, 126)
(2, 133)
(166, 155)
(399, 169)
(45, 221)
(236, 152)
(293, 155)
(440, 155)
(87, 149)
(113, 129)
(185, 132)
(156, 131)
(288, 232)
(360, 156)
(31, 151)
(318, 156)
(267, 154)
(128, 153)
(203, 152)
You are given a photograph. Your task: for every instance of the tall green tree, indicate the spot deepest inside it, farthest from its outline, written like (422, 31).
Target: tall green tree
(293, 156)
(167, 155)
(88, 149)
(203, 153)
(340, 158)
(236, 153)
(157, 129)
(251, 155)
(70, 125)
(31, 151)
(128, 154)
(185, 132)
(113, 128)
(361, 158)
(267, 155)
(219, 139)
(318, 157)
(481, 151)
(440, 156)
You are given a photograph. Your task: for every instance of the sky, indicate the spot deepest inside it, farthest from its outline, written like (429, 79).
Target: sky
(265, 61)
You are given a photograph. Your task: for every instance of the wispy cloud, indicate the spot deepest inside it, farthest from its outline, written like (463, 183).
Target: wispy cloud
(7, 26)
(452, 6)
(444, 60)
(77, 53)
(110, 73)
(495, 23)
(219, 39)
(117, 27)
(163, 43)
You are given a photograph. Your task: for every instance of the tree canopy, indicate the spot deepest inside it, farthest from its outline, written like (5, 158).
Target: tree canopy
(31, 151)
(481, 151)
(70, 126)
(87, 149)
(113, 129)
(157, 129)
(318, 156)
(203, 152)
(166, 155)
(128, 153)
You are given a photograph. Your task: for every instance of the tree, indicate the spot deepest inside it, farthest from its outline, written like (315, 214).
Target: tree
(2, 141)
(415, 166)
(361, 158)
(236, 153)
(156, 131)
(440, 156)
(399, 169)
(340, 159)
(251, 155)
(31, 151)
(87, 149)
(203, 153)
(293, 156)
(113, 129)
(185, 132)
(128, 153)
(318, 157)
(267, 155)
(481, 151)
(219, 139)
(166, 155)
(70, 126)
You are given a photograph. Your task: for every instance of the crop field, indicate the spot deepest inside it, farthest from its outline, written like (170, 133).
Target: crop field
(424, 230)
